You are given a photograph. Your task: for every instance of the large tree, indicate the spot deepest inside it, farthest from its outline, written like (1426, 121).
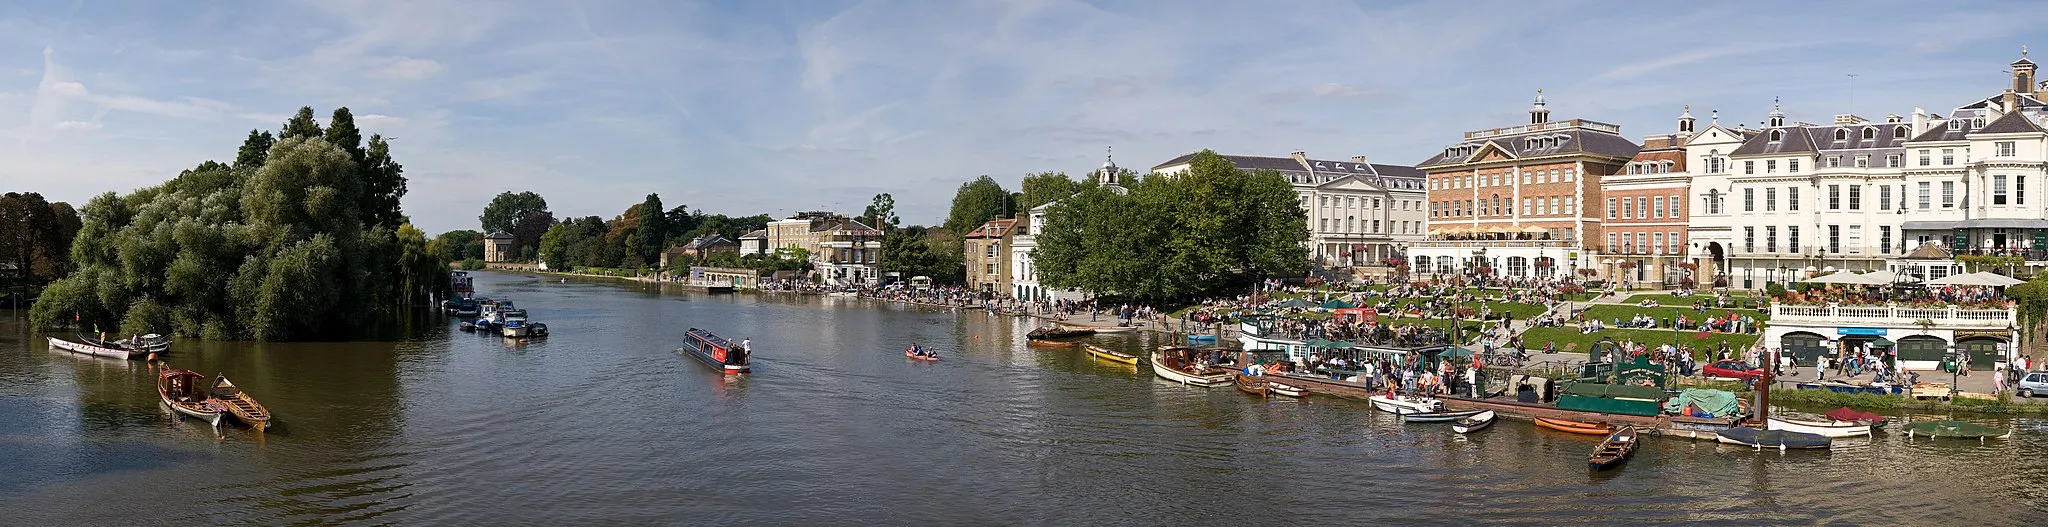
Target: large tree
(977, 202)
(881, 213)
(1046, 187)
(301, 124)
(653, 234)
(519, 214)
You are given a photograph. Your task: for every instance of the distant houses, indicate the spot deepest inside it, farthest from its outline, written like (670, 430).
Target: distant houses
(500, 247)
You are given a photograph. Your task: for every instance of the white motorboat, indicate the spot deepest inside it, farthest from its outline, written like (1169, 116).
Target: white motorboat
(1402, 404)
(1284, 390)
(1828, 429)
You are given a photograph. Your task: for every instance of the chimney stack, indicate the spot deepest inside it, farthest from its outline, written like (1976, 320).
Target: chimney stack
(1302, 157)
(1919, 121)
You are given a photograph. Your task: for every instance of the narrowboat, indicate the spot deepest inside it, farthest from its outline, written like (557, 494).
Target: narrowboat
(715, 351)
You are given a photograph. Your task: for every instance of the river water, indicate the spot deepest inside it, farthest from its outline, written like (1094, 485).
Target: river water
(605, 424)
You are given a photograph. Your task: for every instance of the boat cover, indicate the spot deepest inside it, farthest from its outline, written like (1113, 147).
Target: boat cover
(1700, 402)
(1846, 414)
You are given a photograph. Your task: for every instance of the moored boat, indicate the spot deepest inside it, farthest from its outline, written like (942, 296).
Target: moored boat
(1114, 329)
(102, 351)
(1110, 354)
(1057, 331)
(185, 392)
(1202, 339)
(1847, 415)
(227, 396)
(1175, 364)
(1253, 385)
(1779, 439)
(1828, 428)
(1284, 390)
(717, 352)
(1438, 417)
(1401, 404)
(1575, 427)
(514, 324)
(1615, 449)
(1476, 422)
(1955, 430)
(1843, 387)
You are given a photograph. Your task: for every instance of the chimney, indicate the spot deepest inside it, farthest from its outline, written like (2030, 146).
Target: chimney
(1302, 157)
(2011, 102)
(1360, 159)
(1919, 121)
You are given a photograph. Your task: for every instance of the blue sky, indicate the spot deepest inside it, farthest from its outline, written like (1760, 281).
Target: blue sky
(750, 107)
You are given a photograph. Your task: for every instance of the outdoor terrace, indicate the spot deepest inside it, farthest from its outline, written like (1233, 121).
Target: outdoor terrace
(1891, 315)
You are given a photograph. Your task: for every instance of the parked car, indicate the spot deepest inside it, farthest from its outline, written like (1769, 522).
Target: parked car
(2033, 383)
(1735, 369)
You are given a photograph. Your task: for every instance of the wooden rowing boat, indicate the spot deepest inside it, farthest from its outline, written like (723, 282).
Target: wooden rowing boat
(1168, 366)
(1476, 422)
(1575, 427)
(1252, 385)
(1779, 439)
(1039, 343)
(1110, 354)
(1614, 450)
(1398, 405)
(238, 403)
(1828, 428)
(1955, 430)
(1284, 390)
(1438, 417)
(1057, 331)
(185, 392)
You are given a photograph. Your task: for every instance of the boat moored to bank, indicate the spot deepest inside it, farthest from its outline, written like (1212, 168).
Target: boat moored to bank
(185, 392)
(717, 352)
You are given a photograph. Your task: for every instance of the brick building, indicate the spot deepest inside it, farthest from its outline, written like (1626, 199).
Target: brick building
(1644, 212)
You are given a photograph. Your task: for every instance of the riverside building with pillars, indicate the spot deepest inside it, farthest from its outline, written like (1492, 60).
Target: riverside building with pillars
(1520, 201)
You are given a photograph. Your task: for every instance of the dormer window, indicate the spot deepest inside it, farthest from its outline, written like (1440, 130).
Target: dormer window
(1777, 135)
(1976, 123)
(1956, 124)
(1841, 135)
(1869, 134)
(1899, 132)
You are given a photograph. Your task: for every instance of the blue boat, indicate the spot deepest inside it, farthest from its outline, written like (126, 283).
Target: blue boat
(717, 352)
(1843, 387)
(1202, 339)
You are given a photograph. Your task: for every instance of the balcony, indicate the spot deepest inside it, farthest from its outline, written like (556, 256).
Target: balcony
(1484, 244)
(1893, 316)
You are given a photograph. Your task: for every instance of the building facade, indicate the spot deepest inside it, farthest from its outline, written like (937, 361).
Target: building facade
(988, 256)
(849, 253)
(1644, 210)
(1520, 201)
(500, 247)
(1359, 213)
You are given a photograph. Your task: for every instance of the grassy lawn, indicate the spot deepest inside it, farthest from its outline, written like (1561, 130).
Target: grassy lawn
(1608, 313)
(1668, 300)
(1568, 339)
(1470, 331)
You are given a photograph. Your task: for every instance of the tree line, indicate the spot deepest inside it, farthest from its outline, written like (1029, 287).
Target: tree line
(35, 243)
(301, 237)
(634, 239)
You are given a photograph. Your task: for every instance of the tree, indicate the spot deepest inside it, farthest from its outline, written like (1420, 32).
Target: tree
(1047, 187)
(506, 211)
(301, 124)
(254, 149)
(383, 183)
(977, 202)
(457, 244)
(881, 214)
(653, 235)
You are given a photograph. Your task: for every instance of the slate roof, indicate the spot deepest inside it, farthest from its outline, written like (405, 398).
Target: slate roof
(761, 234)
(993, 229)
(2015, 122)
(1818, 138)
(1576, 141)
(1321, 166)
(702, 242)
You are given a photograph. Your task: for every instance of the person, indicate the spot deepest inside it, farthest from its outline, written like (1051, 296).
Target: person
(1997, 381)
(748, 343)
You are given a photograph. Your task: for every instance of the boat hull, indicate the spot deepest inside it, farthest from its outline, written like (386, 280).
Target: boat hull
(1778, 439)
(1438, 417)
(1284, 390)
(1111, 355)
(183, 392)
(1476, 422)
(1955, 430)
(1160, 369)
(713, 350)
(1404, 405)
(1824, 429)
(98, 351)
(1614, 450)
(920, 357)
(1575, 427)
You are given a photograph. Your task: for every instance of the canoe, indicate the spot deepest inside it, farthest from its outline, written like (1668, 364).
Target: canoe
(1828, 428)
(1955, 430)
(101, 351)
(1284, 390)
(1111, 355)
(185, 392)
(907, 353)
(245, 408)
(1176, 371)
(1050, 343)
(1614, 450)
(1476, 422)
(1779, 439)
(1846, 415)
(1398, 405)
(1252, 385)
(1575, 427)
(1058, 332)
(1438, 417)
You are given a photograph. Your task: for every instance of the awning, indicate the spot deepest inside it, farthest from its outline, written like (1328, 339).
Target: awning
(1929, 225)
(1880, 343)
(2003, 223)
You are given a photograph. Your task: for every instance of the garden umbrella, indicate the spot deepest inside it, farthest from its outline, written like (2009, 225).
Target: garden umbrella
(1842, 278)
(1337, 303)
(1297, 302)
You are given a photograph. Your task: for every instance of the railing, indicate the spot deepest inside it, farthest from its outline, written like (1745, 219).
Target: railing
(1481, 244)
(1892, 315)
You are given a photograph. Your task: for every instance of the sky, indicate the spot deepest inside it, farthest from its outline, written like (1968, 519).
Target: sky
(750, 107)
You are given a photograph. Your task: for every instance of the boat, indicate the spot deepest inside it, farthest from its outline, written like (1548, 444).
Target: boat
(1946, 429)
(1253, 385)
(1202, 339)
(1846, 415)
(1401, 404)
(185, 392)
(1614, 450)
(245, 409)
(491, 313)
(1779, 439)
(912, 353)
(467, 326)
(1575, 427)
(1283, 389)
(1050, 344)
(1114, 329)
(1111, 355)
(717, 352)
(1438, 417)
(1476, 422)
(536, 330)
(514, 325)
(1057, 331)
(102, 351)
(1829, 428)
(1173, 364)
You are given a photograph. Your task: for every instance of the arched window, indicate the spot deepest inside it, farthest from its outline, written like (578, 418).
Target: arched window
(1869, 133)
(1899, 132)
(1777, 135)
(1840, 135)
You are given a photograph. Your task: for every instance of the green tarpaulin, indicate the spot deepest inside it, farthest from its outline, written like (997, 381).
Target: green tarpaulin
(1455, 353)
(1337, 303)
(1297, 302)
(1713, 403)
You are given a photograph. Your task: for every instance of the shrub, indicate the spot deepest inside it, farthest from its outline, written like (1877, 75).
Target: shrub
(473, 264)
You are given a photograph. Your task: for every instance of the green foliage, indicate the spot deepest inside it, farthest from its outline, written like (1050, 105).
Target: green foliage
(474, 264)
(460, 244)
(977, 202)
(1047, 187)
(917, 251)
(1981, 262)
(273, 248)
(383, 185)
(881, 214)
(35, 236)
(1206, 232)
(652, 236)
(524, 215)
(254, 150)
(301, 124)
(1774, 291)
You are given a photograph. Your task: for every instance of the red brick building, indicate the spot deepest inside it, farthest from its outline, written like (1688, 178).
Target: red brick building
(1643, 211)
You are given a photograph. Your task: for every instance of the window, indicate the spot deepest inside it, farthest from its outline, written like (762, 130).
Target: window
(1792, 166)
(1926, 195)
(1948, 156)
(1613, 211)
(1884, 197)
(1613, 241)
(991, 250)
(1792, 238)
(1855, 239)
(1948, 194)
(1570, 207)
(1841, 135)
(1675, 201)
(1675, 244)
(1863, 161)
(1749, 167)
(1749, 200)
(2019, 190)
(1834, 161)
(1899, 132)
(1771, 199)
(1375, 226)
(1869, 133)
(1923, 158)
(1834, 197)
(1324, 225)
(1552, 207)
(1749, 239)
(1525, 204)
(1771, 166)
(1855, 197)
(1998, 189)
(1659, 200)
(1715, 164)
(2005, 148)
(1628, 242)
(991, 269)
(1642, 207)
(1660, 242)
(1713, 201)
(1770, 238)
(1792, 199)
(1525, 177)
(1891, 161)
(1835, 239)
(1628, 209)
(1884, 239)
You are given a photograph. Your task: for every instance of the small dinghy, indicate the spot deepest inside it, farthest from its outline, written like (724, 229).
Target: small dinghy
(1575, 427)
(1474, 423)
(1438, 417)
(1955, 430)
(1615, 449)
(1284, 390)
(1830, 428)
(914, 355)
(1779, 439)
(1400, 404)
(1253, 385)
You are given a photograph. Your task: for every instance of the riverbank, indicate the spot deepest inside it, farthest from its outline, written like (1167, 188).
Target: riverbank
(1823, 400)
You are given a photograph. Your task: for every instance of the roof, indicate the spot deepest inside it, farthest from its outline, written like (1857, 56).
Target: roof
(498, 235)
(761, 234)
(1320, 166)
(1928, 251)
(708, 241)
(1820, 138)
(2012, 123)
(993, 229)
(851, 226)
(1568, 141)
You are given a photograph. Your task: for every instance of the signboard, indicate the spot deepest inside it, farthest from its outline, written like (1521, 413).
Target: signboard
(1962, 239)
(2040, 239)
(1875, 332)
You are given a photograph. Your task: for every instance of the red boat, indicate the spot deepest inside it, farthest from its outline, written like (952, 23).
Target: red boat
(715, 351)
(914, 355)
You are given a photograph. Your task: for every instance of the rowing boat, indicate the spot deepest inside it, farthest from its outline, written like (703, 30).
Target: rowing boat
(914, 355)
(1057, 331)
(1575, 427)
(1168, 365)
(1252, 385)
(245, 408)
(1438, 417)
(185, 392)
(1846, 415)
(102, 351)
(1284, 390)
(1476, 422)
(1955, 430)
(1111, 355)
(1829, 428)
(1614, 450)
(1398, 405)
(1779, 439)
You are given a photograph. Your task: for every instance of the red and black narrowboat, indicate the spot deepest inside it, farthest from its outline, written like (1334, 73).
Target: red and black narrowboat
(715, 351)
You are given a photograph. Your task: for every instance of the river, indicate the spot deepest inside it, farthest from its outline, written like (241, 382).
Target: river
(604, 423)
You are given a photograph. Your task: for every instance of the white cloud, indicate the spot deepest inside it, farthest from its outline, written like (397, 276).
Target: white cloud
(408, 68)
(77, 125)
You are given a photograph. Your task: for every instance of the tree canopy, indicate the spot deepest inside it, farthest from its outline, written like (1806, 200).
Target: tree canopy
(881, 214)
(1047, 187)
(524, 215)
(1204, 232)
(275, 247)
(977, 202)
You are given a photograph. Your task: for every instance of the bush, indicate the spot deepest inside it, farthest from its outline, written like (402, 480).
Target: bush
(1775, 291)
(473, 264)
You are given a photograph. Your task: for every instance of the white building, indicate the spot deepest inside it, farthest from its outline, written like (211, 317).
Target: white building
(1359, 213)
(1023, 274)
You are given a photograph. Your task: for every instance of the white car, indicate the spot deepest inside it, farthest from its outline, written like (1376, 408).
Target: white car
(2033, 383)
